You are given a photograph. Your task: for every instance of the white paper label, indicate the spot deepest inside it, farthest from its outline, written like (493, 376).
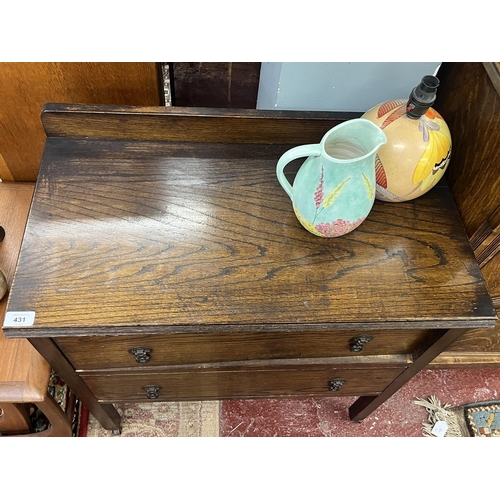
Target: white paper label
(439, 429)
(18, 319)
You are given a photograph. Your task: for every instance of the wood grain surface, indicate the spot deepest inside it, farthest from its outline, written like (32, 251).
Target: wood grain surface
(24, 374)
(134, 237)
(189, 124)
(468, 99)
(297, 378)
(14, 417)
(15, 201)
(491, 273)
(26, 87)
(480, 340)
(486, 240)
(493, 71)
(111, 352)
(470, 104)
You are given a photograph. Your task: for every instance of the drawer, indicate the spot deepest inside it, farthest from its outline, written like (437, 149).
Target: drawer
(95, 353)
(300, 379)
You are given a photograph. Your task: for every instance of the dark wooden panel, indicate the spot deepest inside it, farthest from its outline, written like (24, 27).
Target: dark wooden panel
(470, 104)
(469, 101)
(486, 240)
(26, 87)
(113, 352)
(491, 273)
(493, 70)
(300, 379)
(215, 84)
(481, 340)
(189, 124)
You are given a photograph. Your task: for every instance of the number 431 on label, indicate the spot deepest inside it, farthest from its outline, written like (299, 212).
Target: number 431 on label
(16, 319)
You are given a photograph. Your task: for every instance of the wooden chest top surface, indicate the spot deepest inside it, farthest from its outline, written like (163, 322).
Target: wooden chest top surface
(128, 236)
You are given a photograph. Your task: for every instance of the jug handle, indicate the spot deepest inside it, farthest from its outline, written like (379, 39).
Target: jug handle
(290, 155)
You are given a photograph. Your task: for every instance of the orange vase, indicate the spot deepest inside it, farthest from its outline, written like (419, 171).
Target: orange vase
(418, 147)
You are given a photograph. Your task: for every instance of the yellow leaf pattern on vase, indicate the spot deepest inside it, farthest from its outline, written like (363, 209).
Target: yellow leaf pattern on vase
(435, 157)
(369, 187)
(308, 225)
(437, 153)
(331, 197)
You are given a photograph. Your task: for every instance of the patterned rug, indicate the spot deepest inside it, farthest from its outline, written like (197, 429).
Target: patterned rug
(170, 419)
(59, 391)
(480, 419)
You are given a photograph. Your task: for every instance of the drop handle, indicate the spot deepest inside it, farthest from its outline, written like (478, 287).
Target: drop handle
(358, 343)
(142, 354)
(336, 383)
(152, 391)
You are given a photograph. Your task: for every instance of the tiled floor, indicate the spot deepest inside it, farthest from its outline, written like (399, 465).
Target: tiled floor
(398, 417)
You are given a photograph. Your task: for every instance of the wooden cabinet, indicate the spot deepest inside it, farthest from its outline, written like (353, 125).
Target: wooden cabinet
(162, 260)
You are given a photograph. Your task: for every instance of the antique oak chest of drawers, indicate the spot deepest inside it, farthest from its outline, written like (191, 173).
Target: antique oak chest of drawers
(161, 261)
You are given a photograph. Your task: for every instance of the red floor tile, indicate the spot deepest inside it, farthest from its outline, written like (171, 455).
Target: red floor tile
(398, 417)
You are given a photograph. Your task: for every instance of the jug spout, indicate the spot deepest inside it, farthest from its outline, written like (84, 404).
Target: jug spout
(353, 140)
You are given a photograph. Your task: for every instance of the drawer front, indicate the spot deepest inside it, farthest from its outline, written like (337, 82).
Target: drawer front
(483, 340)
(95, 353)
(204, 383)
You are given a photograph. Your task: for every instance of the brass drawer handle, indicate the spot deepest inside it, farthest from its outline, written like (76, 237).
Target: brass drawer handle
(336, 384)
(357, 343)
(152, 391)
(142, 354)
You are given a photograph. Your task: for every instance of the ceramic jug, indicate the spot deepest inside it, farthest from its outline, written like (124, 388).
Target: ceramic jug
(334, 189)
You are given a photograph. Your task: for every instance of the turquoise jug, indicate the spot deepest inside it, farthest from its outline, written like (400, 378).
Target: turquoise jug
(334, 189)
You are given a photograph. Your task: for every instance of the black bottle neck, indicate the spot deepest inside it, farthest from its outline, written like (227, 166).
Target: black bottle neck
(422, 97)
